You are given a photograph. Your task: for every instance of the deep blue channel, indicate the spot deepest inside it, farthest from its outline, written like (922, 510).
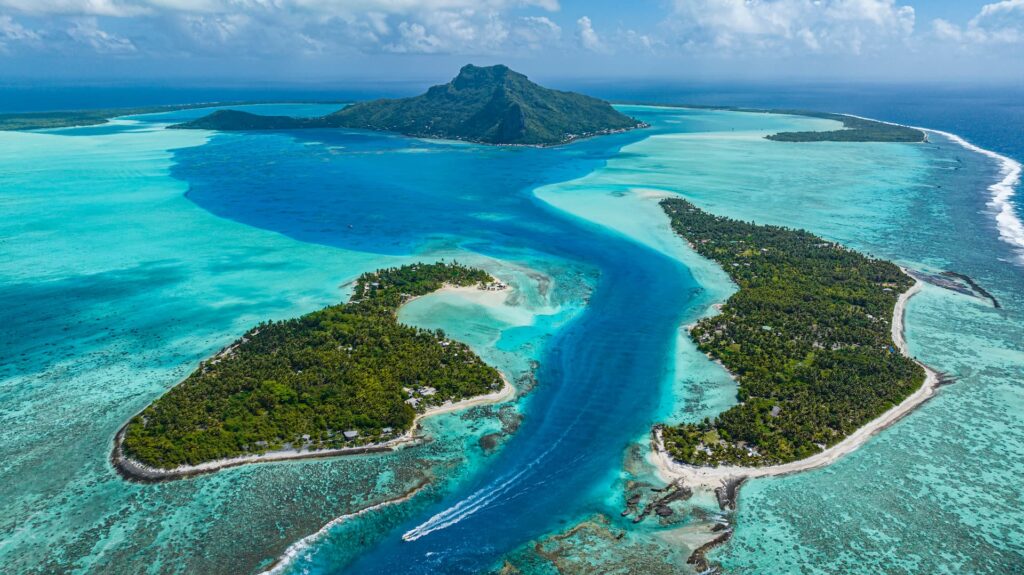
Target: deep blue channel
(598, 384)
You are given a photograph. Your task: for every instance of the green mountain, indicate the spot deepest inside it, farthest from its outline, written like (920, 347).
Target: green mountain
(492, 105)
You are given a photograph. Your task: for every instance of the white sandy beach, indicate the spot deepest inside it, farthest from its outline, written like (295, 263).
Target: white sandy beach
(135, 469)
(711, 477)
(146, 472)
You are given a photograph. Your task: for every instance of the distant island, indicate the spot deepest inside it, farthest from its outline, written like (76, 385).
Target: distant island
(347, 376)
(808, 337)
(20, 121)
(855, 129)
(489, 105)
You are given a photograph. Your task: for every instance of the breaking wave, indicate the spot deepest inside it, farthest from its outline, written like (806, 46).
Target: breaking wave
(1008, 222)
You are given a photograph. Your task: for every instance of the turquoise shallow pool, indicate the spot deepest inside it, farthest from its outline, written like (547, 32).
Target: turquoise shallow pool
(131, 252)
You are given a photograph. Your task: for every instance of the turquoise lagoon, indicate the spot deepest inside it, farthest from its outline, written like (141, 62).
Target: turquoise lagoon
(132, 252)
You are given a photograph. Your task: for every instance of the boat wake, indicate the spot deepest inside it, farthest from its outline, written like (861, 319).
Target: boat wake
(475, 502)
(296, 549)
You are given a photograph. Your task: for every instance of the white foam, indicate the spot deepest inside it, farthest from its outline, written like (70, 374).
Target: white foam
(482, 497)
(475, 502)
(295, 549)
(1011, 229)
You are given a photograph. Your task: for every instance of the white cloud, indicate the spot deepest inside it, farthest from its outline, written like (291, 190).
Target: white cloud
(816, 25)
(11, 30)
(265, 27)
(13, 33)
(588, 36)
(996, 23)
(536, 32)
(638, 40)
(79, 7)
(414, 38)
(280, 27)
(87, 31)
(127, 8)
(214, 29)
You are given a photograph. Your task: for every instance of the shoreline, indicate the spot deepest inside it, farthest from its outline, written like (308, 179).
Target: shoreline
(133, 470)
(288, 556)
(710, 478)
(1008, 223)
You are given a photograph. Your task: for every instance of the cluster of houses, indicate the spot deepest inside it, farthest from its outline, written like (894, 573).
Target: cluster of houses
(494, 286)
(307, 440)
(411, 394)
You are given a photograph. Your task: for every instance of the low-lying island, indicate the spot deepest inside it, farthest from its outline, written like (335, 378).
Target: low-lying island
(814, 338)
(347, 379)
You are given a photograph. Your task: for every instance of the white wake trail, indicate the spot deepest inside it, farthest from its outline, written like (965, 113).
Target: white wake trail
(482, 497)
(475, 502)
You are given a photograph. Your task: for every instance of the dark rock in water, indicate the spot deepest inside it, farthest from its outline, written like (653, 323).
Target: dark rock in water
(681, 494)
(957, 282)
(698, 558)
(672, 492)
(719, 527)
(490, 441)
(633, 499)
(510, 419)
(974, 285)
(726, 494)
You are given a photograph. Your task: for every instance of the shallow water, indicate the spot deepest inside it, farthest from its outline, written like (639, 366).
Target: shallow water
(934, 493)
(138, 251)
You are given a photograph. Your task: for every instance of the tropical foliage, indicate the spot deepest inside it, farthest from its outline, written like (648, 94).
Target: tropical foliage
(807, 336)
(305, 381)
(854, 130)
(492, 105)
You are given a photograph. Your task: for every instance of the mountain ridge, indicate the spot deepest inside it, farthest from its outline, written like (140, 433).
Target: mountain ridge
(490, 105)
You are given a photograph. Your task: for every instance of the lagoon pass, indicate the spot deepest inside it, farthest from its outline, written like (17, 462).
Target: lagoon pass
(131, 253)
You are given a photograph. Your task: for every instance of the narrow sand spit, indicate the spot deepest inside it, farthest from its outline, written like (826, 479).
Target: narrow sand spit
(711, 477)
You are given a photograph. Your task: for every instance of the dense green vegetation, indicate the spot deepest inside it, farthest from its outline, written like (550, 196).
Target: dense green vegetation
(71, 118)
(305, 381)
(807, 336)
(854, 130)
(491, 105)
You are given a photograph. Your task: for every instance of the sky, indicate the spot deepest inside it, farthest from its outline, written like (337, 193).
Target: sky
(324, 41)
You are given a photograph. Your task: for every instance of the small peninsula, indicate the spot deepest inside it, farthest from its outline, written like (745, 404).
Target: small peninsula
(808, 337)
(342, 378)
(488, 105)
(855, 129)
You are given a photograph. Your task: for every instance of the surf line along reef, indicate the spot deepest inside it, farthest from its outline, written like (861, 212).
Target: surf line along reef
(346, 379)
(814, 338)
